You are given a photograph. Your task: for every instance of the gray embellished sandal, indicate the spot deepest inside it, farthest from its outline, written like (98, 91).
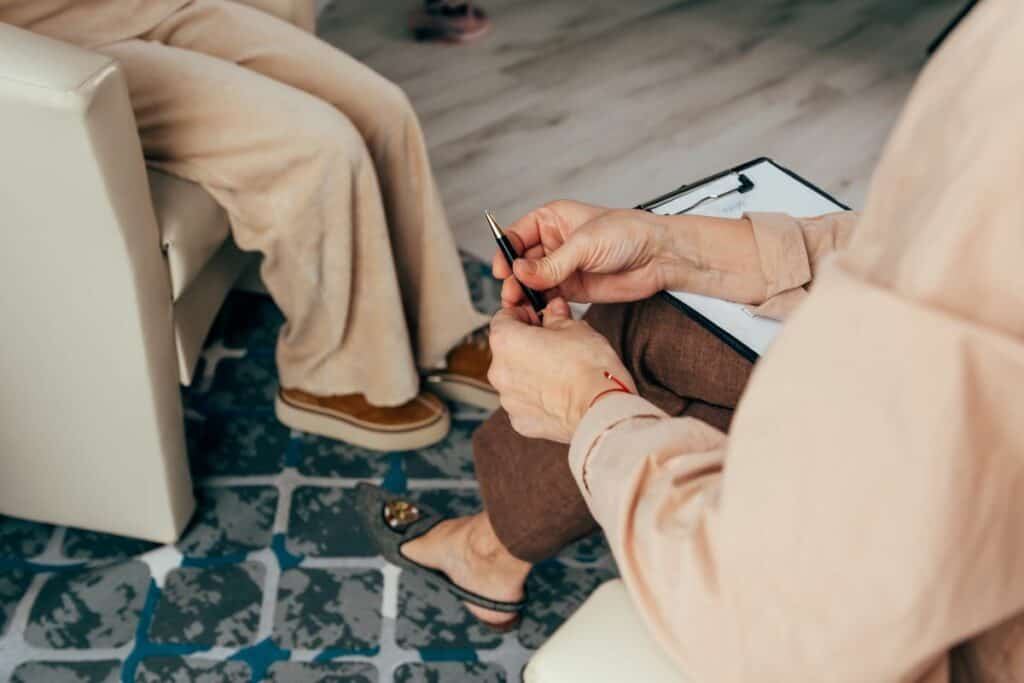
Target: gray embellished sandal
(392, 520)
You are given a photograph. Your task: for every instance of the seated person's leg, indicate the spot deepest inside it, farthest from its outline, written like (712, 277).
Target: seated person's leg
(435, 297)
(532, 506)
(299, 186)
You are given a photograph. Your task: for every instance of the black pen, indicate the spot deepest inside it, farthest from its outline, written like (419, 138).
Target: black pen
(536, 300)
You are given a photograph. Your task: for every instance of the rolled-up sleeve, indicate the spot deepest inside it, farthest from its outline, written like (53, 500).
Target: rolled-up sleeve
(791, 250)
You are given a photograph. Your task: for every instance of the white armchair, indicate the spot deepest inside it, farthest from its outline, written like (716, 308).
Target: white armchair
(110, 278)
(605, 641)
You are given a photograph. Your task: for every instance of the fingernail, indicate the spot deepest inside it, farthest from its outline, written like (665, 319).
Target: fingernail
(528, 266)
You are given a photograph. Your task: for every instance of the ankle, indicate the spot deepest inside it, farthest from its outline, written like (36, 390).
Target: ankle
(484, 546)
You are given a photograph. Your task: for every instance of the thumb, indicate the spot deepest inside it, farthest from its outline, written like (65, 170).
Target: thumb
(555, 268)
(557, 311)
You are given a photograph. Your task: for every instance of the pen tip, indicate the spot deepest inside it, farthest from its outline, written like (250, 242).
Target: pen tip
(494, 225)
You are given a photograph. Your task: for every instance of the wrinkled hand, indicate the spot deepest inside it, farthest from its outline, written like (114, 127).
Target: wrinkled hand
(547, 376)
(585, 253)
(592, 254)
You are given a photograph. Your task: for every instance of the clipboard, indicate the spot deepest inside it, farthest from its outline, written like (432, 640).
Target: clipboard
(732, 192)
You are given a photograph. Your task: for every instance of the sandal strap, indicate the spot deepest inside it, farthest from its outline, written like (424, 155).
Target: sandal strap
(485, 602)
(460, 592)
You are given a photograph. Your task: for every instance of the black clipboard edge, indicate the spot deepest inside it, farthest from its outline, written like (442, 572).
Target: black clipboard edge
(647, 206)
(731, 341)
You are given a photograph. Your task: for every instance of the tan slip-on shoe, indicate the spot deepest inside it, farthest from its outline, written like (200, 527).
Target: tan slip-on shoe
(464, 378)
(419, 423)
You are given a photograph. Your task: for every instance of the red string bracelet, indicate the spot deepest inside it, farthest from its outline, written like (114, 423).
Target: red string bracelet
(620, 388)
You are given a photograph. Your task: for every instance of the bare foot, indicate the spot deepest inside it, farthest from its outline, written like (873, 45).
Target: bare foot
(469, 553)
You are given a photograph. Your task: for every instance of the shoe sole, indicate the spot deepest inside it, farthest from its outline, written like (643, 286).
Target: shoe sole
(365, 436)
(463, 392)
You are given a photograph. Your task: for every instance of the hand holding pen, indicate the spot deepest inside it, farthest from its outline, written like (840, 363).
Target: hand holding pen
(524, 250)
(593, 254)
(580, 252)
(508, 252)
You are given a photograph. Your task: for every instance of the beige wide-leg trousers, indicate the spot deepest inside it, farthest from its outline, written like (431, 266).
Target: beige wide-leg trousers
(321, 165)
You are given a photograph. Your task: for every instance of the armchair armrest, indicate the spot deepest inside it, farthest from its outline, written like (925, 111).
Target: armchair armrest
(605, 641)
(90, 417)
(33, 65)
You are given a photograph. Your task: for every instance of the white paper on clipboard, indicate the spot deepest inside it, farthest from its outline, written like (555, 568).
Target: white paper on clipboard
(774, 191)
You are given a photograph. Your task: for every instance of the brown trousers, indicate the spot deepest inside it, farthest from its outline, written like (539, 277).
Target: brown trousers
(528, 491)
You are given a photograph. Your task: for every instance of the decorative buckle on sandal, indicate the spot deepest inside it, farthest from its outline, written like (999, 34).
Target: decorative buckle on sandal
(400, 513)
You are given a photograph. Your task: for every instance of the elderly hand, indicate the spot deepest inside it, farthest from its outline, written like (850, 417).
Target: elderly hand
(586, 253)
(548, 376)
(594, 254)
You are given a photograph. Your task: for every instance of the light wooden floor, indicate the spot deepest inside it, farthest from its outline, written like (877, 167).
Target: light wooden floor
(616, 101)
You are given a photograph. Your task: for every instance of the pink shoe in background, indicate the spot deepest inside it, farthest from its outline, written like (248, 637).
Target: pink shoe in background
(449, 22)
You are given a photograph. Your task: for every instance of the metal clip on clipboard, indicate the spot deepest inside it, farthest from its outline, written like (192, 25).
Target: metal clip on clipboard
(745, 185)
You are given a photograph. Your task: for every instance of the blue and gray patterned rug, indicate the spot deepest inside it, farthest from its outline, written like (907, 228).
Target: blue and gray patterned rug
(273, 580)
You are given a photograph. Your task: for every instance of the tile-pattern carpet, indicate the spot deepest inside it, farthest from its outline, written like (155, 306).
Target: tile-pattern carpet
(273, 580)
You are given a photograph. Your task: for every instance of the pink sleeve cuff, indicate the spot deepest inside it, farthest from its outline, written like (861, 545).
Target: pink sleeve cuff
(781, 305)
(782, 251)
(605, 415)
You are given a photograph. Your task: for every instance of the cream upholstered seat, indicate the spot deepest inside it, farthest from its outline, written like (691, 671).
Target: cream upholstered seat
(192, 225)
(110, 277)
(605, 641)
(202, 260)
